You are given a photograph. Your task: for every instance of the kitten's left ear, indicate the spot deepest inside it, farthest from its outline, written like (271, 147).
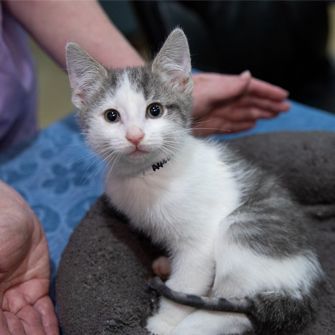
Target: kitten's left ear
(85, 74)
(173, 61)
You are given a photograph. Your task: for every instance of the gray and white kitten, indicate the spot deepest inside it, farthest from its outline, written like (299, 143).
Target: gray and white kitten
(231, 230)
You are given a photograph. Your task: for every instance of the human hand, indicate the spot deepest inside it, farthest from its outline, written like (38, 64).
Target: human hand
(25, 307)
(232, 103)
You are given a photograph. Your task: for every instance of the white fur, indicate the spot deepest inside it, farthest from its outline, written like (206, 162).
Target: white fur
(240, 272)
(204, 322)
(185, 206)
(181, 206)
(130, 104)
(178, 194)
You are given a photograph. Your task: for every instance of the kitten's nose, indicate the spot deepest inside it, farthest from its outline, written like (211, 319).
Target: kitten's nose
(134, 135)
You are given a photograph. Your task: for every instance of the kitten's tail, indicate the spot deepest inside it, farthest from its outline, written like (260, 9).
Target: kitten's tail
(208, 303)
(270, 313)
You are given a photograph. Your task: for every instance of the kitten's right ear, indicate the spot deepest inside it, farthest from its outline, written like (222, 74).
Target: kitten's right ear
(85, 74)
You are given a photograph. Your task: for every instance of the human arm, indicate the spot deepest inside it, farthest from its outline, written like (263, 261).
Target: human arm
(53, 23)
(222, 103)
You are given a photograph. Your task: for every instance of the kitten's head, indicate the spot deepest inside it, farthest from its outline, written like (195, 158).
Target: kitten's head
(138, 116)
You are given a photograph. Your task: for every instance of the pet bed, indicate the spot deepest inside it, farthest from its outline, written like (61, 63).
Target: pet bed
(101, 282)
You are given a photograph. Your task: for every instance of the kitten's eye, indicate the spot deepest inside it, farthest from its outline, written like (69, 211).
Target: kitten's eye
(155, 110)
(112, 115)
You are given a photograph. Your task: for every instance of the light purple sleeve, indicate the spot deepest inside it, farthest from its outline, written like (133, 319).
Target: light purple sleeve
(18, 107)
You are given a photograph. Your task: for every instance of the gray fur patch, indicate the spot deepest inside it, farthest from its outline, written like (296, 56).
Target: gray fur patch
(107, 86)
(155, 89)
(202, 302)
(270, 313)
(283, 314)
(269, 221)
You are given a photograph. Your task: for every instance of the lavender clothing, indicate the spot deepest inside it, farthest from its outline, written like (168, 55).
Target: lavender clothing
(18, 106)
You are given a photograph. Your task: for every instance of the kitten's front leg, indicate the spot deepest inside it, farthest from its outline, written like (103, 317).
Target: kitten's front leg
(192, 273)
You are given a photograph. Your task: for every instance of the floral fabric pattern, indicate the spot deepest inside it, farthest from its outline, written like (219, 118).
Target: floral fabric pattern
(58, 176)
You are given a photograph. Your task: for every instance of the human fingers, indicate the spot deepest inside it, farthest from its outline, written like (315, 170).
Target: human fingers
(3, 324)
(266, 90)
(31, 320)
(14, 324)
(234, 127)
(219, 126)
(46, 309)
(238, 114)
(228, 87)
(221, 86)
(211, 89)
(265, 104)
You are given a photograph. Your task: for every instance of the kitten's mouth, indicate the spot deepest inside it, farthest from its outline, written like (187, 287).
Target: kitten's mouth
(138, 152)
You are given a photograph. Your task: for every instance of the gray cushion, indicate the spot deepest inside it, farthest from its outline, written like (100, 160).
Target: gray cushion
(101, 283)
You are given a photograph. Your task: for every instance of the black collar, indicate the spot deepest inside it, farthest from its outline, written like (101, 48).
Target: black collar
(160, 164)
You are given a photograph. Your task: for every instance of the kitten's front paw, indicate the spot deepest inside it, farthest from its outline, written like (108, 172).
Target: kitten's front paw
(157, 325)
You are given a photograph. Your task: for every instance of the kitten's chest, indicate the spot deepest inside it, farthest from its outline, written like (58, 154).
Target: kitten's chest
(148, 200)
(176, 207)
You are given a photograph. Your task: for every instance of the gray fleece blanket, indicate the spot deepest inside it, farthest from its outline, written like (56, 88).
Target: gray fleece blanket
(101, 282)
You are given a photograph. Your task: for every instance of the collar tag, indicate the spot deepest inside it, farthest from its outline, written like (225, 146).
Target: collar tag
(160, 164)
